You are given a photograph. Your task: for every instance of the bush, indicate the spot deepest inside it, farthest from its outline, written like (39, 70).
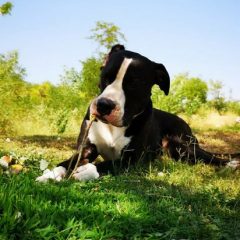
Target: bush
(186, 95)
(233, 106)
(219, 104)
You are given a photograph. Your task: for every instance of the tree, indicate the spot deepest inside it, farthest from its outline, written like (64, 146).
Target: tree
(90, 76)
(215, 89)
(106, 34)
(11, 74)
(71, 77)
(190, 88)
(6, 8)
(218, 101)
(186, 95)
(13, 89)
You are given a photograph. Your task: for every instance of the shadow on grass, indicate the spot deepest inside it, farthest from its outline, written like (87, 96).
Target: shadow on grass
(47, 141)
(128, 206)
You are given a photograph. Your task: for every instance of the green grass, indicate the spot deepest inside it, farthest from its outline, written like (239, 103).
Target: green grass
(182, 202)
(187, 202)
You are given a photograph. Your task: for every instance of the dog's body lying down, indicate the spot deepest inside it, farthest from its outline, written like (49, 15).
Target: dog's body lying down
(127, 128)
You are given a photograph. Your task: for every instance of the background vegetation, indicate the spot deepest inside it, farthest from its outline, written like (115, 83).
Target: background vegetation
(58, 109)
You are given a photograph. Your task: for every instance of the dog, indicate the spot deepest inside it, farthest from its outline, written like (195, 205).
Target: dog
(127, 128)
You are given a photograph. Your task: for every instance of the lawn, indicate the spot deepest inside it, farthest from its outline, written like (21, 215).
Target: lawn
(166, 200)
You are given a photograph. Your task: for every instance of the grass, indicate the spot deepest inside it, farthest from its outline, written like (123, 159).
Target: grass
(191, 202)
(210, 119)
(169, 200)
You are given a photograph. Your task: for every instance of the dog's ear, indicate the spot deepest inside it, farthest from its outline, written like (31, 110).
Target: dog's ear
(115, 48)
(162, 78)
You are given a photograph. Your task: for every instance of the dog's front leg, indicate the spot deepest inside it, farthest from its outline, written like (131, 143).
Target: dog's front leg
(89, 154)
(84, 170)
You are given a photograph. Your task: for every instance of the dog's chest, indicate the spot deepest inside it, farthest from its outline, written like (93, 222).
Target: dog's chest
(108, 139)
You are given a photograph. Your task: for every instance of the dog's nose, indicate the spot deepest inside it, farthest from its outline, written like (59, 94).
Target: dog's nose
(105, 106)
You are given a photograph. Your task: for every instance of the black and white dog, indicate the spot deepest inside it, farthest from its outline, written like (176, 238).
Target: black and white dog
(127, 128)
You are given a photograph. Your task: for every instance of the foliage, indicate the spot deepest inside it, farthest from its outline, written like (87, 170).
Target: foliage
(106, 34)
(6, 8)
(215, 89)
(233, 106)
(71, 77)
(13, 90)
(186, 95)
(20, 100)
(219, 104)
(56, 109)
(62, 121)
(56, 104)
(90, 77)
(218, 101)
(10, 68)
(87, 80)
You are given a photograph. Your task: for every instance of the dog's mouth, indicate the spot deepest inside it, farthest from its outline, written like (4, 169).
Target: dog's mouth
(109, 119)
(101, 118)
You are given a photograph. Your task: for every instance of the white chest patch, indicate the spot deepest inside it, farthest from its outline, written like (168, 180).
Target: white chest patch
(108, 139)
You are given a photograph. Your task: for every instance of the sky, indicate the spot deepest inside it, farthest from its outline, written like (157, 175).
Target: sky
(201, 38)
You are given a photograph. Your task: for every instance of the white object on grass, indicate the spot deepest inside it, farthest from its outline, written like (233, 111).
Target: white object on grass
(234, 164)
(161, 174)
(3, 163)
(43, 164)
(86, 172)
(58, 173)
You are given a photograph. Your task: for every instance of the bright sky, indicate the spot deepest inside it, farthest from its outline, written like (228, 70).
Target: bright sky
(199, 37)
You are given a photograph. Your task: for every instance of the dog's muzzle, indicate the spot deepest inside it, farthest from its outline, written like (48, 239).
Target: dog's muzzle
(107, 111)
(105, 106)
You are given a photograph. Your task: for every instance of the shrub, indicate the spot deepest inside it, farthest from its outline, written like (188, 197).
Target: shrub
(186, 95)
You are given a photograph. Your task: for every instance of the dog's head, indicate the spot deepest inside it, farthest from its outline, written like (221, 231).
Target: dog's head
(126, 82)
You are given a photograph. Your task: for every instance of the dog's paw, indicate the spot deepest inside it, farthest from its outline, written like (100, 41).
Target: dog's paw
(86, 172)
(234, 164)
(56, 174)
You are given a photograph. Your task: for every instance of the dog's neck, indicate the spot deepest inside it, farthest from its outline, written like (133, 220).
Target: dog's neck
(139, 121)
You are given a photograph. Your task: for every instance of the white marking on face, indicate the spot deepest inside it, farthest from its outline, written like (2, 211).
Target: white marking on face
(115, 92)
(109, 140)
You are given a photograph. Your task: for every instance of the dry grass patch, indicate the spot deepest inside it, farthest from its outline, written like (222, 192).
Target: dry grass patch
(220, 142)
(211, 120)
